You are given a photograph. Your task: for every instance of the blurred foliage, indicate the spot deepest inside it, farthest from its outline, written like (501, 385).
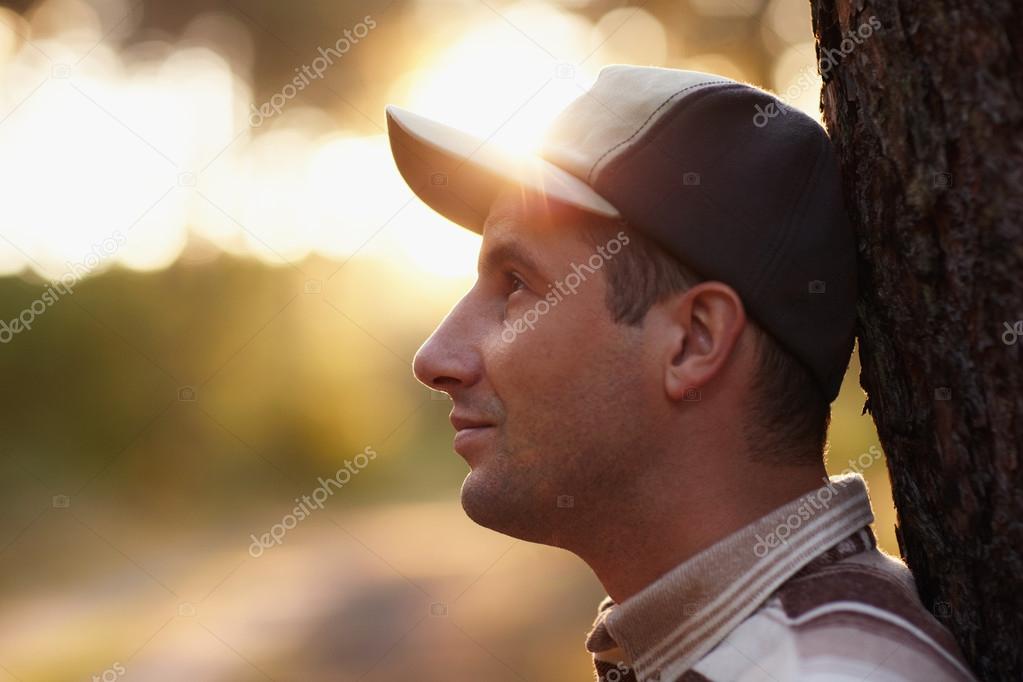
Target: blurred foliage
(286, 383)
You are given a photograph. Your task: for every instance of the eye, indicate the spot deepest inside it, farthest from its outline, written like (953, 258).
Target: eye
(515, 283)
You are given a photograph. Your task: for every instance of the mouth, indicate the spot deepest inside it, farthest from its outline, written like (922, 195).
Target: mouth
(470, 434)
(471, 439)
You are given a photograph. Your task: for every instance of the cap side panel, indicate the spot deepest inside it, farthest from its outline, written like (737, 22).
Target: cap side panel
(621, 102)
(651, 118)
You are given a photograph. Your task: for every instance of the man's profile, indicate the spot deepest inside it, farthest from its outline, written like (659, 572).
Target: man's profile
(643, 371)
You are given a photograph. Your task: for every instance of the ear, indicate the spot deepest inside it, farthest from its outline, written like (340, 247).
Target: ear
(704, 324)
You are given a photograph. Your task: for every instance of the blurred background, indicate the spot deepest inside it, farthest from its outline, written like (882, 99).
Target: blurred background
(220, 281)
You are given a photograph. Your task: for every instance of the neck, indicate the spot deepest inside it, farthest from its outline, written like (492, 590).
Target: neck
(671, 516)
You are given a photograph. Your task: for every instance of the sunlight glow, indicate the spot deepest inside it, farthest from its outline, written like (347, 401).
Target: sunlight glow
(154, 141)
(499, 84)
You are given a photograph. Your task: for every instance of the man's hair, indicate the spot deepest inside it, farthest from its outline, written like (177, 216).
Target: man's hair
(789, 418)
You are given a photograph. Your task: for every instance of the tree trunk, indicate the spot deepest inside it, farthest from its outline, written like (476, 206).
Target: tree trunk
(925, 108)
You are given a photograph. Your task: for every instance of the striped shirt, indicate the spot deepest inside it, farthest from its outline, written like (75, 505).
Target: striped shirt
(801, 594)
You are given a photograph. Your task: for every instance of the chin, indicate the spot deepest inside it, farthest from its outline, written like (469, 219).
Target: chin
(495, 503)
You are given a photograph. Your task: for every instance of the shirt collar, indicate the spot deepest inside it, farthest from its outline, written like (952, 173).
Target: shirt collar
(687, 611)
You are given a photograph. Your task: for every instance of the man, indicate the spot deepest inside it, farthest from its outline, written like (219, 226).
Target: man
(642, 375)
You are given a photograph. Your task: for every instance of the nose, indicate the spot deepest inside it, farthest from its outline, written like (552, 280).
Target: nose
(449, 360)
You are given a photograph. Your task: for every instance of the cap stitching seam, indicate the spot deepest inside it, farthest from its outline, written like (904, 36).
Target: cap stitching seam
(593, 168)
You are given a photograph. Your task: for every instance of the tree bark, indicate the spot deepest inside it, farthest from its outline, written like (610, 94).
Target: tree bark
(926, 113)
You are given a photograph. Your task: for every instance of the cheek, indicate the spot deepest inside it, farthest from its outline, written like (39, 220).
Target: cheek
(541, 340)
(555, 360)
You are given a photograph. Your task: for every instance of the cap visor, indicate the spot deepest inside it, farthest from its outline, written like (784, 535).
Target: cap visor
(459, 176)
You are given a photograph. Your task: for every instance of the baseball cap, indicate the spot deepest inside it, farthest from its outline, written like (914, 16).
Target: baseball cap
(736, 184)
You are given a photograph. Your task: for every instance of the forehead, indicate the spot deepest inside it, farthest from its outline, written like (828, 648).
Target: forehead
(530, 220)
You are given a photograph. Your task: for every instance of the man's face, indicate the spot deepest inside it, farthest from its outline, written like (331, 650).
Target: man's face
(551, 397)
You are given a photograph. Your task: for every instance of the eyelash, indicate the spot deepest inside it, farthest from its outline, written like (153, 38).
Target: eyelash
(514, 280)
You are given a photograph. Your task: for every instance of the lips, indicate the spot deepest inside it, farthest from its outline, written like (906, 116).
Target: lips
(467, 422)
(472, 433)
